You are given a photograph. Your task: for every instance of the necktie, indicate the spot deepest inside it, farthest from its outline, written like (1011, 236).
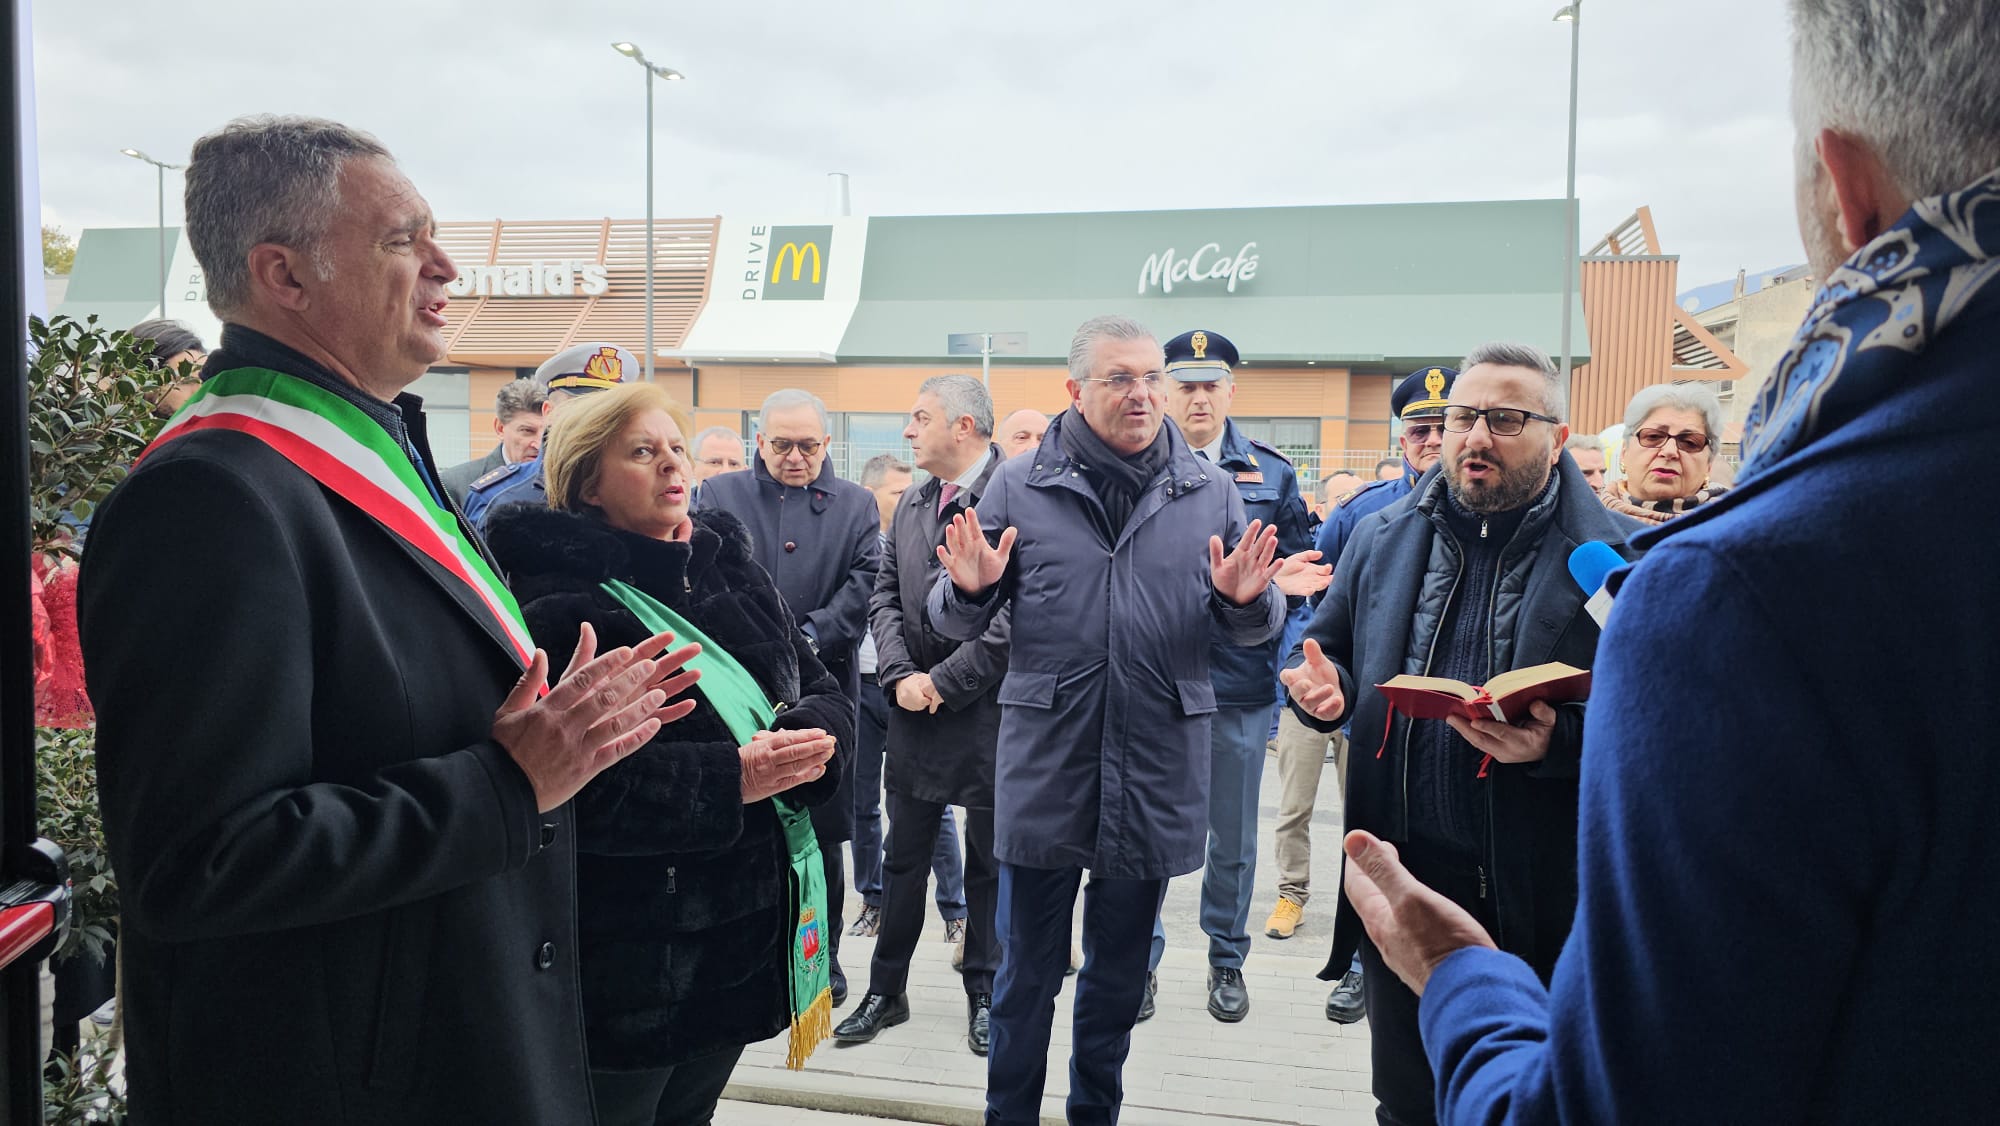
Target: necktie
(945, 494)
(1202, 454)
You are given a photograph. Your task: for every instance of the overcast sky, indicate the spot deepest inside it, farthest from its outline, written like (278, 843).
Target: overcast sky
(519, 109)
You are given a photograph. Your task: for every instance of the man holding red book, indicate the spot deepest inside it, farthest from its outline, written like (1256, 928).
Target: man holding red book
(1464, 579)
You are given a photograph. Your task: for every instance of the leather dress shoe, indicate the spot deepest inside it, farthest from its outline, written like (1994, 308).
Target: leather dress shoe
(1152, 987)
(838, 985)
(876, 1012)
(1345, 1005)
(978, 1014)
(1228, 998)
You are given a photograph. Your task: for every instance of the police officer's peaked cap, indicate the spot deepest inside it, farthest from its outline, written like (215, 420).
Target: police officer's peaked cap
(1200, 356)
(1422, 393)
(596, 366)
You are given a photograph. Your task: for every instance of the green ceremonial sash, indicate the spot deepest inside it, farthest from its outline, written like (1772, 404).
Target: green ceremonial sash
(740, 701)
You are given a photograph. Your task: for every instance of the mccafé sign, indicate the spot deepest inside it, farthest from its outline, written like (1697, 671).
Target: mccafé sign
(1165, 270)
(569, 277)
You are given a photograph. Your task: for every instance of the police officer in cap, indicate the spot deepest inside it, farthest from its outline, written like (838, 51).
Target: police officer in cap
(1201, 386)
(577, 370)
(1419, 402)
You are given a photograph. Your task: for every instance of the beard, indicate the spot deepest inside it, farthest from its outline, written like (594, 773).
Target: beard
(1509, 487)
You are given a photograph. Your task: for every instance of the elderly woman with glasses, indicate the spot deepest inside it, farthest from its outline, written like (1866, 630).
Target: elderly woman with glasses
(1670, 435)
(698, 927)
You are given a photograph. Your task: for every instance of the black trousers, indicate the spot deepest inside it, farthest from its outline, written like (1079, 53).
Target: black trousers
(836, 898)
(913, 831)
(682, 1095)
(1405, 1091)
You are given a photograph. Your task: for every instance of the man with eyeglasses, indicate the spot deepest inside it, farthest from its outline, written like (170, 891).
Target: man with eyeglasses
(717, 450)
(1108, 544)
(1467, 579)
(1418, 401)
(818, 537)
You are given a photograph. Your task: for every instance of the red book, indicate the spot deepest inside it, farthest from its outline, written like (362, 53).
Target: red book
(1506, 697)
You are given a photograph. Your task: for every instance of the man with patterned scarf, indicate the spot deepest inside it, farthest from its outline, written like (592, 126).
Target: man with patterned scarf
(1790, 880)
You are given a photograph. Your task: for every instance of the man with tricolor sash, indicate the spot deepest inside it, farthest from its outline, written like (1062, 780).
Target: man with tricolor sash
(334, 786)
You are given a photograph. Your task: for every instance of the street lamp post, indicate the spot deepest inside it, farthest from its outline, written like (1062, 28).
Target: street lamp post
(1571, 14)
(162, 167)
(653, 70)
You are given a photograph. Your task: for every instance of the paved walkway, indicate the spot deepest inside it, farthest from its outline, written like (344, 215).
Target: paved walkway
(1285, 1063)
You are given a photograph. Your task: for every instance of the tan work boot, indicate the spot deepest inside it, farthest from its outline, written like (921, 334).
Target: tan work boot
(1284, 919)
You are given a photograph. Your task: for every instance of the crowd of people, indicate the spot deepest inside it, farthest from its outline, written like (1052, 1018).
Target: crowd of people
(403, 871)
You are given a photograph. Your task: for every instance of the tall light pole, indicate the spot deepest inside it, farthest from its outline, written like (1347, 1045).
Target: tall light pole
(1571, 14)
(162, 167)
(653, 70)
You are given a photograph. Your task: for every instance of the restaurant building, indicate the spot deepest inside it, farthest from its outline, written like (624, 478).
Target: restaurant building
(1328, 306)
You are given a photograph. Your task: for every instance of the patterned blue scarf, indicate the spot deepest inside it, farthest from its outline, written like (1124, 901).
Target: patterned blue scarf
(1873, 317)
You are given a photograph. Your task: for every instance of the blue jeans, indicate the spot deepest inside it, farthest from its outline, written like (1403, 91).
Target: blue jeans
(1033, 920)
(871, 736)
(1229, 874)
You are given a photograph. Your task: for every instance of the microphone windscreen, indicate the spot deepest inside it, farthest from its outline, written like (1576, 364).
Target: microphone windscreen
(1590, 563)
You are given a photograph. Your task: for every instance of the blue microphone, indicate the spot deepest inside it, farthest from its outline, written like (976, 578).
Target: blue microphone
(1590, 564)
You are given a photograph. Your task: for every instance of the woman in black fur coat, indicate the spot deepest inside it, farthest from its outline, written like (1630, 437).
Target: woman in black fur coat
(682, 901)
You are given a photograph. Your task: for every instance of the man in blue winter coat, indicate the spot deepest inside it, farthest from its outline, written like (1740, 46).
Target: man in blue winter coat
(1200, 389)
(1108, 544)
(1788, 868)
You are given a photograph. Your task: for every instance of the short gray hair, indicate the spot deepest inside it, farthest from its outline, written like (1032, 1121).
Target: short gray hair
(1680, 396)
(265, 179)
(962, 395)
(791, 398)
(879, 467)
(1584, 442)
(1502, 353)
(518, 397)
(1915, 79)
(702, 438)
(1083, 346)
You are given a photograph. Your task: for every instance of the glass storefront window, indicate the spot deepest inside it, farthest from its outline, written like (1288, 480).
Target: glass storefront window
(447, 396)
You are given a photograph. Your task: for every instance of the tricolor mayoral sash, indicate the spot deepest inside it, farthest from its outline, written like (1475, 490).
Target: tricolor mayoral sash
(348, 453)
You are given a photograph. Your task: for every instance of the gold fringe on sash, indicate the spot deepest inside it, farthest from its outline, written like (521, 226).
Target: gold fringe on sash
(809, 1028)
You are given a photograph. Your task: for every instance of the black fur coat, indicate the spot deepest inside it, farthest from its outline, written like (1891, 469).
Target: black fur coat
(682, 904)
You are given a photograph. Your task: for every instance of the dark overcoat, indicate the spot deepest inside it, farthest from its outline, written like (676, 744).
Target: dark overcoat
(945, 756)
(819, 544)
(339, 902)
(1104, 712)
(682, 900)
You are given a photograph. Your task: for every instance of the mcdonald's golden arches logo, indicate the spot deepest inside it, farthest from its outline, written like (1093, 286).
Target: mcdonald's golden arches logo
(800, 258)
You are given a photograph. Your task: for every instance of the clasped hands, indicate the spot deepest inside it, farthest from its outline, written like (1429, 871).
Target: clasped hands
(917, 692)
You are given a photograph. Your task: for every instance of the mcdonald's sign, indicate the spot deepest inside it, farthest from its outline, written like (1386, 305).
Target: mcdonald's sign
(798, 263)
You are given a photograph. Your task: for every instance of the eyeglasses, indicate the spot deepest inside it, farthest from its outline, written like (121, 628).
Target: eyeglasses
(1689, 441)
(1123, 383)
(784, 446)
(1504, 422)
(1423, 432)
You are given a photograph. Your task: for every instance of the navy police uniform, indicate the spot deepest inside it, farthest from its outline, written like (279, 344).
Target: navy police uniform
(1242, 677)
(581, 368)
(1420, 395)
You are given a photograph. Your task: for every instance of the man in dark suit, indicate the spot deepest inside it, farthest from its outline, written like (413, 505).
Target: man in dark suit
(817, 536)
(947, 717)
(518, 421)
(338, 812)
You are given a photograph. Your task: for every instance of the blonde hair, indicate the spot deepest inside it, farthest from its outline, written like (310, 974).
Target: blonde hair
(573, 451)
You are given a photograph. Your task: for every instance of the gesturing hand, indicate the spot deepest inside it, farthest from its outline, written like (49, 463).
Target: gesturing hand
(1248, 569)
(775, 761)
(604, 709)
(1315, 684)
(918, 693)
(1303, 574)
(972, 563)
(1414, 927)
